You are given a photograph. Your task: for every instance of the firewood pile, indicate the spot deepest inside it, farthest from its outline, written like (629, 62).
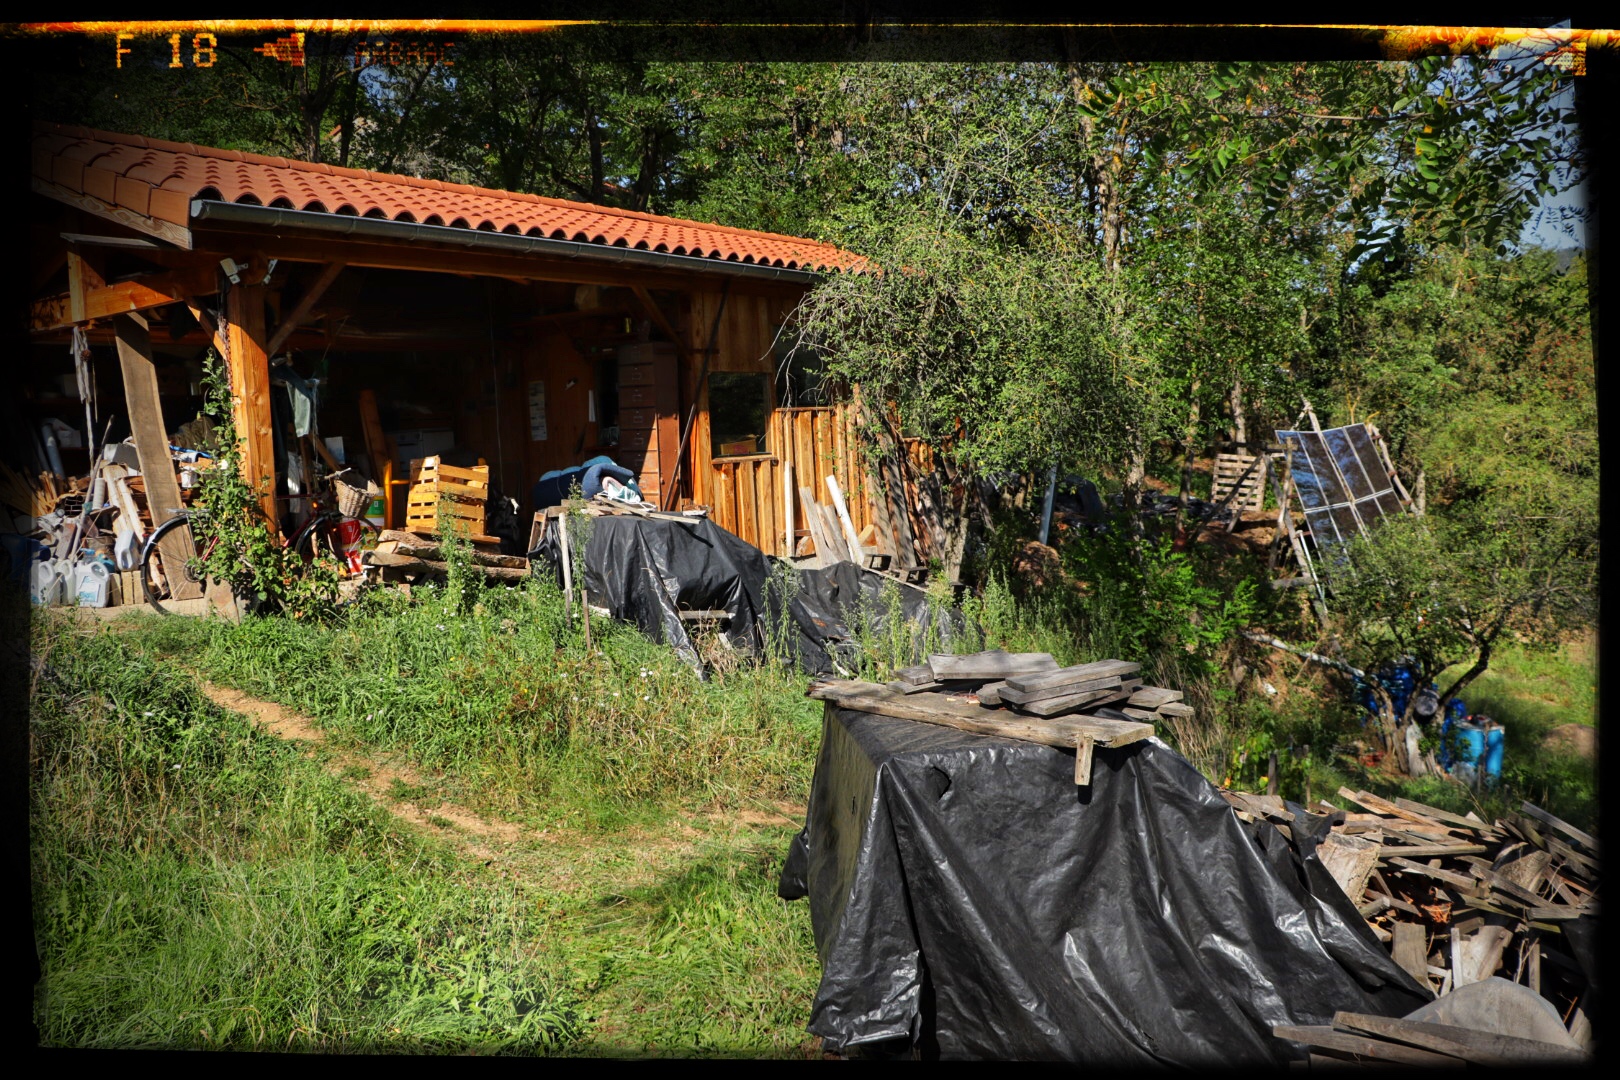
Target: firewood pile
(1459, 900)
(1033, 684)
(404, 556)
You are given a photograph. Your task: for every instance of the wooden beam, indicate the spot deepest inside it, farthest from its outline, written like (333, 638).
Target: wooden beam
(1061, 731)
(656, 314)
(249, 365)
(177, 235)
(152, 447)
(382, 462)
(84, 278)
(451, 260)
(130, 243)
(296, 317)
(89, 297)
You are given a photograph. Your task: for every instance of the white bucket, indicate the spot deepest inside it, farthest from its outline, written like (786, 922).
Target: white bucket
(92, 583)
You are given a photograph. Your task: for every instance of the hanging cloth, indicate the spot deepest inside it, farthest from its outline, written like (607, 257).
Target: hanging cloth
(301, 393)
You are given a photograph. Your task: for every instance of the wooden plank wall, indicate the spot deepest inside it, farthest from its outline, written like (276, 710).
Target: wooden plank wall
(745, 494)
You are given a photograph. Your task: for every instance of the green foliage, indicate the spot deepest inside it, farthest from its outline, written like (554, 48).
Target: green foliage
(237, 546)
(1147, 600)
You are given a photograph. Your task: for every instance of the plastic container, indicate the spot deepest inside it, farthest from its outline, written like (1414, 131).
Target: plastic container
(45, 583)
(92, 582)
(1495, 743)
(377, 512)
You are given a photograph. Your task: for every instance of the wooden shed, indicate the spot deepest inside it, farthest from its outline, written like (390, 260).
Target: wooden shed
(535, 332)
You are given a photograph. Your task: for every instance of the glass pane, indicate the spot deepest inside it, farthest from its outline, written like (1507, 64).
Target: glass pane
(737, 413)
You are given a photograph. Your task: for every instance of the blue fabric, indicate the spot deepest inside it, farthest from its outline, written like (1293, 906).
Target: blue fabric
(553, 487)
(593, 477)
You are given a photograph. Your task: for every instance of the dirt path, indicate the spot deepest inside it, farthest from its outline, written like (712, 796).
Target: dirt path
(592, 859)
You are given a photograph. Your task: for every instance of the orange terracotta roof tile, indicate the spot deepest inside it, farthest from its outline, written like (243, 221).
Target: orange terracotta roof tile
(155, 178)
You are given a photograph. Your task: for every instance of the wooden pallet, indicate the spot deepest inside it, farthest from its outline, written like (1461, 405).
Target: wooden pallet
(1230, 472)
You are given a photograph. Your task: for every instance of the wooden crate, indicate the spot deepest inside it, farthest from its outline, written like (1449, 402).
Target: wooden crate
(449, 491)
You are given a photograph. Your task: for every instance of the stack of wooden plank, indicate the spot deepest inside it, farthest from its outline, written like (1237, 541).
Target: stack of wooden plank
(1363, 1038)
(1032, 683)
(1459, 900)
(442, 493)
(405, 556)
(965, 712)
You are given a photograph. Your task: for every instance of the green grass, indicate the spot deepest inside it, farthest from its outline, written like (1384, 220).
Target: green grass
(634, 916)
(199, 884)
(505, 706)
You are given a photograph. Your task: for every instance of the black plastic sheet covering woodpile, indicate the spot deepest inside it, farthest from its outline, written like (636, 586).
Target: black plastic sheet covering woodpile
(969, 901)
(649, 570)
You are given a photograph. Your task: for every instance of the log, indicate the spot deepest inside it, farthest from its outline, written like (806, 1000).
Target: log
(405, 543)
(431, 566)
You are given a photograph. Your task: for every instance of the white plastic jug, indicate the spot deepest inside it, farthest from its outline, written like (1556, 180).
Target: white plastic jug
(92, 583)
(45, 583)
(127, 550)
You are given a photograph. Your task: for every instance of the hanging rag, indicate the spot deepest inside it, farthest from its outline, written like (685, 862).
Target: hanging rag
(301, 393)
(87, 379)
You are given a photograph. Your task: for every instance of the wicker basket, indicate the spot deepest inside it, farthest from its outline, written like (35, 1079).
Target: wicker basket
(354, 501)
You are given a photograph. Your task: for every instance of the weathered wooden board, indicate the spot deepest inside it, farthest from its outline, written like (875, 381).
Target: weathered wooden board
(1101, 669)
(152, 447)
(1361, 1046)
(1151, 697)
(1068, 703)
(915, 676)
(1477, 1047)
(1064, 689)
(992, 664)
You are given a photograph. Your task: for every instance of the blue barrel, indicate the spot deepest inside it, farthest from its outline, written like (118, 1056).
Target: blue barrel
(1470, 742)
(1494, 742)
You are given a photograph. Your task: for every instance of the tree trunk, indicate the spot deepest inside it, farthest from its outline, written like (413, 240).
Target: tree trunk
(1420, 492)
(598, 173)
(1189, 448)
(1240, 426)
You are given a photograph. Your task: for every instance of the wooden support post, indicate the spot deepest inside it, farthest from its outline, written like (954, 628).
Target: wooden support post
(249, 364)
(152, 447)
(1082, 760)
(382, 462)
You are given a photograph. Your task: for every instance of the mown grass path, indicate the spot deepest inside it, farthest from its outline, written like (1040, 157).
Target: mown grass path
(602, 900)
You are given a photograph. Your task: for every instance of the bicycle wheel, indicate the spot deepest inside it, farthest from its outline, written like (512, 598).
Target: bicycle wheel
(330, 535)
(155, 581)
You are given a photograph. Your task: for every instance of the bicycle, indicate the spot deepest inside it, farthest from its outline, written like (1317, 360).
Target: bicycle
(327, 532)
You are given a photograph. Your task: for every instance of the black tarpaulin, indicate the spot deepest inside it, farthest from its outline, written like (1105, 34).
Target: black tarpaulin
(647, 570)
(968, 897)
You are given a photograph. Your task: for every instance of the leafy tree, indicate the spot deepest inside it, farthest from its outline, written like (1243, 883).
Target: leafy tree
(1510, 548)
